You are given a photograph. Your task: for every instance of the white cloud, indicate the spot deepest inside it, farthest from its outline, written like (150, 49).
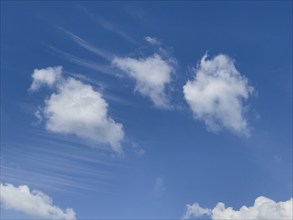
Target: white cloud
(152, 40)
(48, 76)
(217, 93)
(76, 108)
(151, 74)
(195, 210)
(263, 208)
(34, 203)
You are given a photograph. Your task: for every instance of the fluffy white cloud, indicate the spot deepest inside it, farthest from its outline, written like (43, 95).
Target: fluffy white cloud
(195, 210)
(151, 74)
(48, 76)
(76, 108)
(34, 203)
(217, 93)
(263, 208)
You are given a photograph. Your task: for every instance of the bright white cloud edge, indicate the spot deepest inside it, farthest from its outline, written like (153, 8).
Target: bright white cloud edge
(217, 94)
(263, 208)
(48, 76)
(76, 108)
(32, 202)
(152, 74)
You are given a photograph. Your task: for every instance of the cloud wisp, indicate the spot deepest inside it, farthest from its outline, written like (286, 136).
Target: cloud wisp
(32, 202)
(151, 74)
(109, 26)
(101, 68)
(88, 46)
(76, 108)
(263, 208)
(152, 40)
(217, 93)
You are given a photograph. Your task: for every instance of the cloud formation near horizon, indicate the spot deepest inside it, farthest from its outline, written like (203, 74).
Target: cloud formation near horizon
(76, 108)
(217, 93)
(32, 202)
(152, 74)
(263, 208)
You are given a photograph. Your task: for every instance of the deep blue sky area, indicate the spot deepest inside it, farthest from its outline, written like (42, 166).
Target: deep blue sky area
(170, 158)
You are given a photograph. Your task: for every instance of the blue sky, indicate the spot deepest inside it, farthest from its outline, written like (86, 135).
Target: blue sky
(155, 150)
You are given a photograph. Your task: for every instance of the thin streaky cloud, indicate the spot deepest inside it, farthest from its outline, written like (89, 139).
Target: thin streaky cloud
(66, 165)
(86, 79)
(110, 27)
(106, 69)
(52, 179)
(66, 143)
(108, 94)
(119, 100)
(107, 90)
(39, 179)
(46, 182)
(102, 53)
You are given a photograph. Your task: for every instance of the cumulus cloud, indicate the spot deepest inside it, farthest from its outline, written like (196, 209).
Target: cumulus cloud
(151, 74)
(263, 208)
(152, 40)
(195, 210)
(76, 108)
(48, 77)
(32, 202)
(217, 93)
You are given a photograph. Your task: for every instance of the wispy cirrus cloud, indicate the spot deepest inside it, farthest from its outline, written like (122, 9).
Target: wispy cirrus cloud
(101, 68)
(263, 208)
(151, 73)
(109, 26)
(88, 46)
(42, 159)
(32, 202)
(217, 93)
